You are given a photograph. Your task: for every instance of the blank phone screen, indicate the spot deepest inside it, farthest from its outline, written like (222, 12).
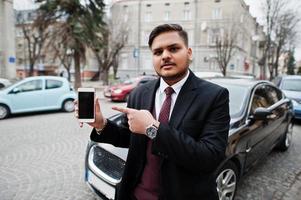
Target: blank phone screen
(86, 105)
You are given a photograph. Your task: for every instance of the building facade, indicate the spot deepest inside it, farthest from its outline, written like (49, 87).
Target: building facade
(204, 21)
(7, 40)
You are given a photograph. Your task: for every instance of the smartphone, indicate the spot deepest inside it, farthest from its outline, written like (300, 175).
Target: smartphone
(86, 110)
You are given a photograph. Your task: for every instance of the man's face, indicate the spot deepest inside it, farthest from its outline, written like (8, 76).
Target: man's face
(171, 56)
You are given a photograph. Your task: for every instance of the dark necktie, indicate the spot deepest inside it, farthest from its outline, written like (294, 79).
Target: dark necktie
(165, 110)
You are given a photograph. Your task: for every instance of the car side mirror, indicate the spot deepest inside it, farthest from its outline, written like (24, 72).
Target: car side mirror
(16, 90)
(261, 113)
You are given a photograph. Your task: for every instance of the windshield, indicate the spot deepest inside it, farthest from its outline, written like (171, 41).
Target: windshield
(237, 97)
(291, 84)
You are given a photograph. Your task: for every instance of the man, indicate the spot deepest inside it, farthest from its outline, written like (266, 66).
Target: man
(177, 127)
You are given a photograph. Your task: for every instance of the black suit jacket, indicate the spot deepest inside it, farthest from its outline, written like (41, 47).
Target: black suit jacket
(191, 146)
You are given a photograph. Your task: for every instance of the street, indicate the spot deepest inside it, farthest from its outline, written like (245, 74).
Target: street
(42, 157)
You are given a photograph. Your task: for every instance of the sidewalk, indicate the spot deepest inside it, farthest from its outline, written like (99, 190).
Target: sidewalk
(94, 84)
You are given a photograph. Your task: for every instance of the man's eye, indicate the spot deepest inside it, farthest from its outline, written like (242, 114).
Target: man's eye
(174, 49)
(157, 53)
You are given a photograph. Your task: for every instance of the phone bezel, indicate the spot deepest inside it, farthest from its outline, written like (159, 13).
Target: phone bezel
(92, 90)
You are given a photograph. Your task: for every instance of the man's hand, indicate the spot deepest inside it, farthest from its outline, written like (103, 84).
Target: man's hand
(138, 120)
(99, 119)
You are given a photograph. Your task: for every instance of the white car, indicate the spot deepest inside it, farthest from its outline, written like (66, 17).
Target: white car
(4, 82)
(39, 93)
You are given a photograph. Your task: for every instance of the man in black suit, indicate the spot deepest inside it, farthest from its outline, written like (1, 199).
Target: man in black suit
(176, 136)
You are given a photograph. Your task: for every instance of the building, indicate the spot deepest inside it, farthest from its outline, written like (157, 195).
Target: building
(7, 40)
(204, 20)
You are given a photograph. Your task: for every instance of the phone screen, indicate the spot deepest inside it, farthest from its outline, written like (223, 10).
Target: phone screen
(86, 105)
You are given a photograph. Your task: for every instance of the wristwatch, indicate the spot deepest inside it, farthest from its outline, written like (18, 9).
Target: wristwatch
(151, 131)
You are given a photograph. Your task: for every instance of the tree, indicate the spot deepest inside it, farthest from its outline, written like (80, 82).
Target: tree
(35, 33)
(225, 45)
(291, 63)
(77, 24)
(280, 28)
(107, 53)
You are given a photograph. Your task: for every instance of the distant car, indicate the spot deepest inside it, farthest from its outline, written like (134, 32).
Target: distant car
(291, 86)
(38, 93)
(4, 82)
(208, 75)
(261, 120)
(120, 92)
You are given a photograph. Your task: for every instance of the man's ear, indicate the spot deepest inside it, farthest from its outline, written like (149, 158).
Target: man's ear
(189, 53)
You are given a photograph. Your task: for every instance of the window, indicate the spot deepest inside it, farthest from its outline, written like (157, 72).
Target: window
(265, 96)
(31, 86)
(214, 35)
(51, 84)
(148, 16)
(166, 15)
(187, 12)
(217, 13)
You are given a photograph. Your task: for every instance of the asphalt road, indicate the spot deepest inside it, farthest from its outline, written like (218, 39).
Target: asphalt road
(42, 158)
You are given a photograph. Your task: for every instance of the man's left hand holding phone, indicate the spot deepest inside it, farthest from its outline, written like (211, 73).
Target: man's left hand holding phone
(87, 109)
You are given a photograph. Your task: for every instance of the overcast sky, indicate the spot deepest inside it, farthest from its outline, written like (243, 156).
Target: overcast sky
(255, 9)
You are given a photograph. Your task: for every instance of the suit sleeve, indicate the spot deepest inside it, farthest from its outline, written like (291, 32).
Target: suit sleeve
(117, 135)
(206, 152)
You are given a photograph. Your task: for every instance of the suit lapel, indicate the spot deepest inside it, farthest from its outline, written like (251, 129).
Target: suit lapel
(185, 98)
(148, 96)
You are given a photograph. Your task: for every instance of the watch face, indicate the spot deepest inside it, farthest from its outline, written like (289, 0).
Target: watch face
(151, 132)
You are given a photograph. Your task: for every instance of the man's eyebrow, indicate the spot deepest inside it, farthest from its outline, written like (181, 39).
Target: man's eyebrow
(172, 45)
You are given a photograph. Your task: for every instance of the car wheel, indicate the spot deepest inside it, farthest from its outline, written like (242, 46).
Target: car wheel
(4, 111)
(68, 105)
(226, 181)
(286, 139)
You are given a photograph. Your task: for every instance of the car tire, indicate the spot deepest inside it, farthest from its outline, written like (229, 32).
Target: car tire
(4, 111)
(68, 105)
(226, 181)
(286, 139)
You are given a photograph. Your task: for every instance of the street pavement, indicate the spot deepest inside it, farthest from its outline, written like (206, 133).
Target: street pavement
(42, 158)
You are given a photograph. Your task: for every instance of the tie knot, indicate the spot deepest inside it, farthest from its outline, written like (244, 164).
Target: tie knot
(168, 91)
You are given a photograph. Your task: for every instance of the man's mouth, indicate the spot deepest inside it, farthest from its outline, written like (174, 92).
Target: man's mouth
(168, 65)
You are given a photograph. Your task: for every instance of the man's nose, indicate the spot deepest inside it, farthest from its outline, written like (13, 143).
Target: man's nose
(166, 55)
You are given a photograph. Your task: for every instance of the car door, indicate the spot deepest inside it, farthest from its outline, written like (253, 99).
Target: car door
(27, 96)
(277, 120)
(259, 129)
(54, 89)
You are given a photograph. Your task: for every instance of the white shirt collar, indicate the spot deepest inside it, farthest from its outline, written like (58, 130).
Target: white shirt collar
(176, 87)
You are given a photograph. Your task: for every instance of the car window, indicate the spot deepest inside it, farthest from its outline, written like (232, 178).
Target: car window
(291, 84)
(51, 84)
(265, 96)
(30, 86)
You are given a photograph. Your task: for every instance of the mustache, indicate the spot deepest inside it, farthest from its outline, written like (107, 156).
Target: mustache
(167, 63)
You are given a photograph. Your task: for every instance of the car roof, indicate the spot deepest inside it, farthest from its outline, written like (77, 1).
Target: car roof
(237, 81)
(44, 77)
(292, 77)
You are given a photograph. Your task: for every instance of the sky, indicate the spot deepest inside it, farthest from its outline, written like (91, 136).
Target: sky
(255, 10)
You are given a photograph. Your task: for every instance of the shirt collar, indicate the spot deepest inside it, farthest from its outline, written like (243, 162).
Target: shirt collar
(176, 87)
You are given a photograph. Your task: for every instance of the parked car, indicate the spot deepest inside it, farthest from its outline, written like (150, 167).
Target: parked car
(4, 82)
(208, 75)
(261, 120)
(120, 92)
(38, 93)
(291, 86)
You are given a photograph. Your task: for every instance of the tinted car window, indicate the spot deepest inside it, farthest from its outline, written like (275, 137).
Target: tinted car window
(291, 84)
(31, 86)
(265, 96)
(51, 84)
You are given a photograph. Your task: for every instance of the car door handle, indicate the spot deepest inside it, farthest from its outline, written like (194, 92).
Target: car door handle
(248, 149)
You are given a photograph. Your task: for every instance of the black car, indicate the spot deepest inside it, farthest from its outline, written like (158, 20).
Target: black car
(261, 120)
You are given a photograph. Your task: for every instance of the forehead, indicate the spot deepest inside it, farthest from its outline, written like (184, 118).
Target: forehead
(166, 39)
